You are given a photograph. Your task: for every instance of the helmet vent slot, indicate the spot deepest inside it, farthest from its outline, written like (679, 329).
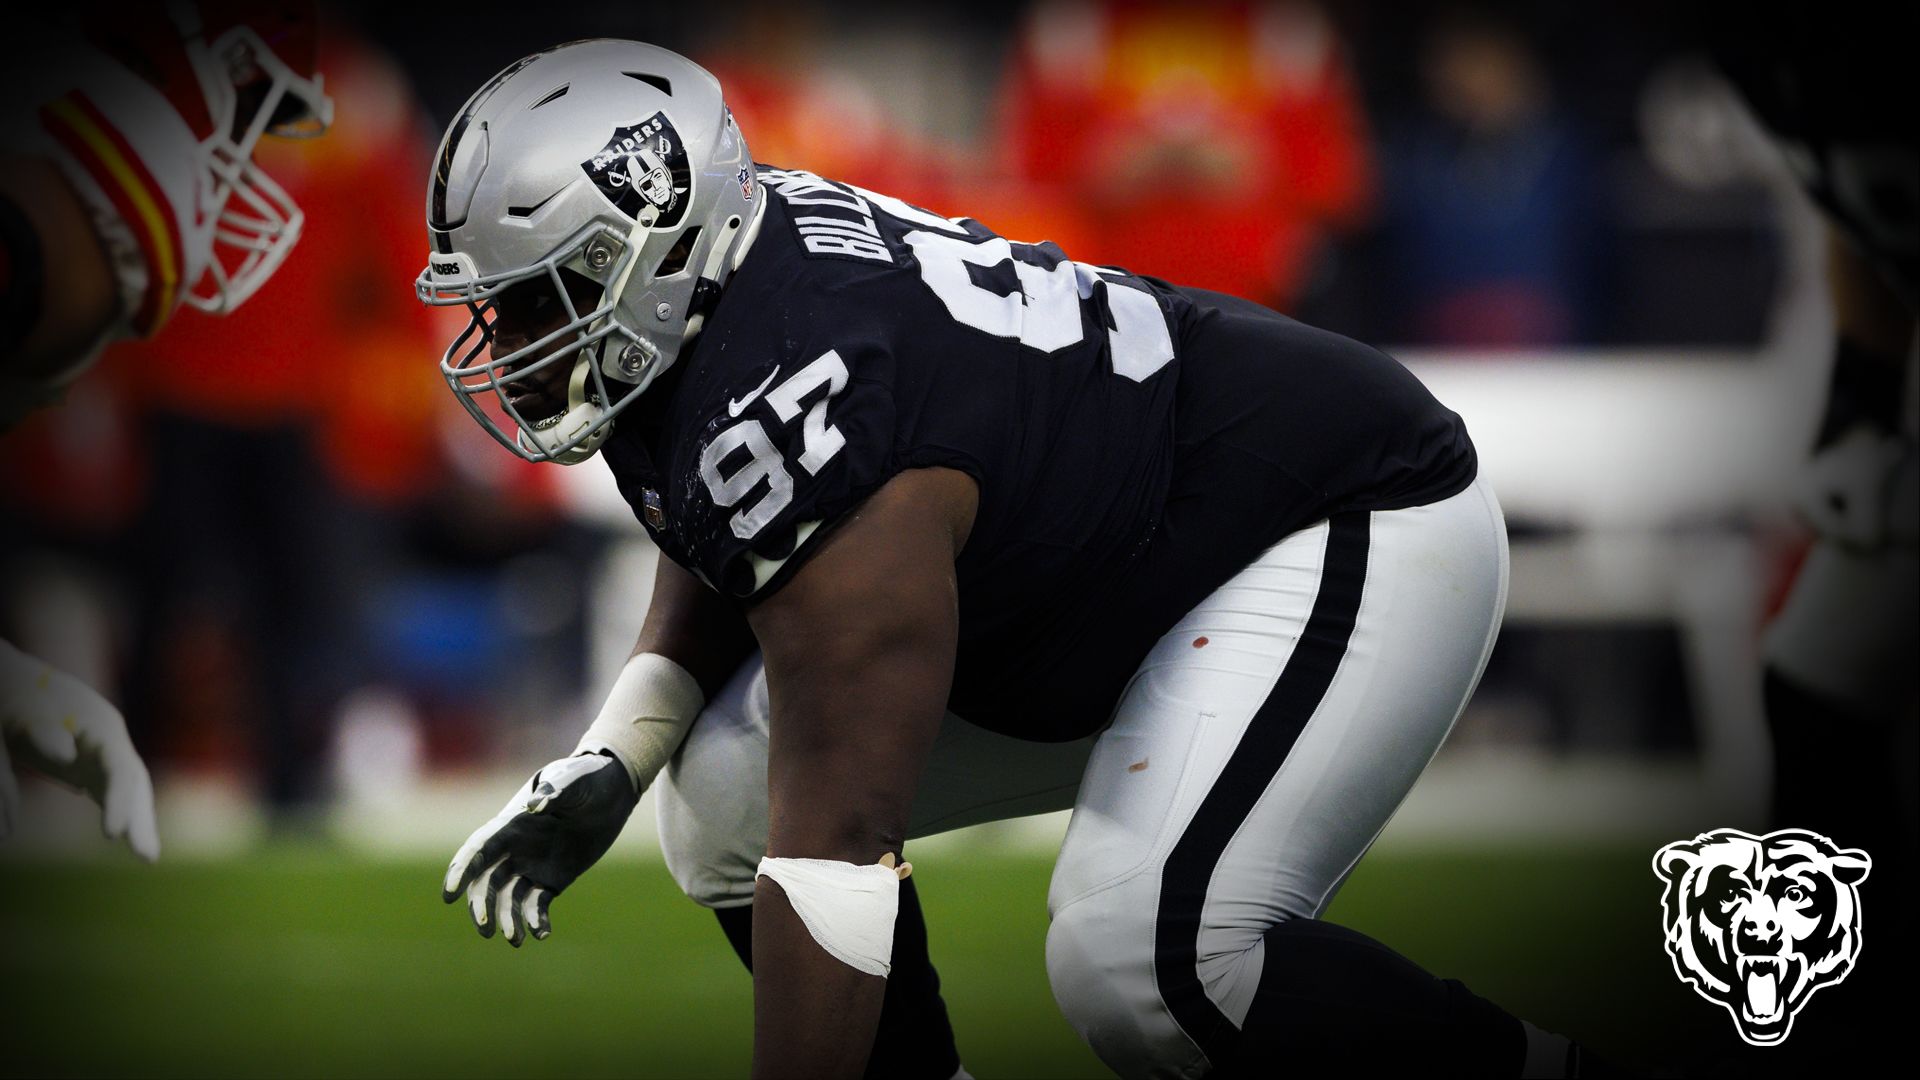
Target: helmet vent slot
(677, 257)
(528, 211)
(555, 96)
(658, 82)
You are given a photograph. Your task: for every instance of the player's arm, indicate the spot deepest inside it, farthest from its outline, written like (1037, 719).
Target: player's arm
(859, 649)
(695, 627)
(567, 816)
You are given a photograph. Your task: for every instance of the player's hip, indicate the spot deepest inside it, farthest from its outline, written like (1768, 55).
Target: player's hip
(1060, 676)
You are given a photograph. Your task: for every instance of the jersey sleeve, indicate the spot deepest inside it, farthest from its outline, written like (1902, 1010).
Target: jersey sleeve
(782, 465)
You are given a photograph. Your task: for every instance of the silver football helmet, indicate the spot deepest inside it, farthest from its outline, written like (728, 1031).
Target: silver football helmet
(611, 177)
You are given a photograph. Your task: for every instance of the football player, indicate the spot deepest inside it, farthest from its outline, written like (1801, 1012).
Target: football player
(1842, 700)
(958, 529)
(128, 188)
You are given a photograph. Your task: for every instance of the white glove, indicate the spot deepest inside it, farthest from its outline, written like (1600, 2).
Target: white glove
(59, 726)
(548, 834)
(9, 794)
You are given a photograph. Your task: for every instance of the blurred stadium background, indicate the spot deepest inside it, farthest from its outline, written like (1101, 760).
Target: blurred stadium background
(343, 625)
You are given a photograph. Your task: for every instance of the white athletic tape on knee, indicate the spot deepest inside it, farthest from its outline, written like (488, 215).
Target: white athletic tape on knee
(648, 712)
(849, 909)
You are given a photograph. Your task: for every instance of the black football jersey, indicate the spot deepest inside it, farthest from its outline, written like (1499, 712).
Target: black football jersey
(1134, 444)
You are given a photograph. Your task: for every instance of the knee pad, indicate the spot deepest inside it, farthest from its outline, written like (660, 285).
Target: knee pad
(849, 909)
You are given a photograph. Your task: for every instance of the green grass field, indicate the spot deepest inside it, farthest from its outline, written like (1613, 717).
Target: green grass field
(306, 962)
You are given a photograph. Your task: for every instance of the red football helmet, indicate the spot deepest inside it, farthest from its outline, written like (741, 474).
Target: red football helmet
(235, 71)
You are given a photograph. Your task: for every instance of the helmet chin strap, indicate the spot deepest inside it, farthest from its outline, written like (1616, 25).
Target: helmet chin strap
(580, 415)
(717, 257)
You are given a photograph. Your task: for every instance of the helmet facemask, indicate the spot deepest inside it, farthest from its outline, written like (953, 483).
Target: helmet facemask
(610, 362)
(251, 92)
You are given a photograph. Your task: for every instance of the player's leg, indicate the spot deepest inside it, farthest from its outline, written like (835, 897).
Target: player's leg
(712, 807)
(1840, 689)
(713, 830)
(712, 796)
(1262, 746)
(914, 1038)
(1841, 708)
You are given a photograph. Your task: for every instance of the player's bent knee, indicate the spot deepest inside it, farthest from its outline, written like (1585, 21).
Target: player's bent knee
(1102, 975)
(711, 859)
(711, 799)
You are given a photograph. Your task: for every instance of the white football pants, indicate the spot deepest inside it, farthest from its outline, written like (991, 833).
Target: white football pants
(1252, 759)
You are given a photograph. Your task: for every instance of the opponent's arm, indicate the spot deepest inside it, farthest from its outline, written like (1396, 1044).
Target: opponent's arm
(859, 650)
(567, 816)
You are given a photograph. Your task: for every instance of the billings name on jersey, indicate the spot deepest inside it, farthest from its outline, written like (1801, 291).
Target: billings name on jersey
(835, 221)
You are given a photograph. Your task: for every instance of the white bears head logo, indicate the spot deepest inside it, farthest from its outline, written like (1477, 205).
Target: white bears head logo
(1758, 923)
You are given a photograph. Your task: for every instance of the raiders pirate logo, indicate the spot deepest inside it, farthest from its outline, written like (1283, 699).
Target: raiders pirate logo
(1756, 924)
(644, 165)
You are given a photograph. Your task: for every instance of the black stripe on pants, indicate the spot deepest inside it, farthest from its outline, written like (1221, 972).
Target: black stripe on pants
(1268, 739)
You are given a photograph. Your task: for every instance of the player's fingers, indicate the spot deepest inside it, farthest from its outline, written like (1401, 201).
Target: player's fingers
(481, 850)
(510, 913)
(537, 919)
(454, 885)
(127, 809)
(481, 894)
(9, 793)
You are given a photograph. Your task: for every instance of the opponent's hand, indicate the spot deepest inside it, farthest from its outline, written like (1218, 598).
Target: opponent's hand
(59, 726)
(548, 834)
(9, 793)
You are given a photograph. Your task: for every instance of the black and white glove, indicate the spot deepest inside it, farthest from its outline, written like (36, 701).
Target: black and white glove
(548, 834)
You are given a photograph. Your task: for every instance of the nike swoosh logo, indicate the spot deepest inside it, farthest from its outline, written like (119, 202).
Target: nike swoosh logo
(737, 404)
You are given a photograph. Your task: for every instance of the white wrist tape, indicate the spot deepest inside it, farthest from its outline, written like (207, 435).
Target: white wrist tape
(648, 712)
(849, 909)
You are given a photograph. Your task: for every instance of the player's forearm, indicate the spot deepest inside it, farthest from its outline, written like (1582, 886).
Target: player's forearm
(859, 650)
(75, 294)
(853, 721)
(694, 627)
